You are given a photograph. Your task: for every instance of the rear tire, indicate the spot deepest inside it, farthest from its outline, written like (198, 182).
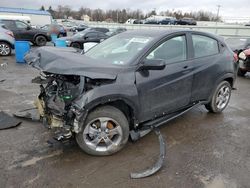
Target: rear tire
(220, 98)
(105, 131)
(76, 45)
(5, 49)
(40, 40)
(241, 72)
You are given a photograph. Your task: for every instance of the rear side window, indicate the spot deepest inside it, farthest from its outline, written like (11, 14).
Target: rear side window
(8, 24)
(172, 50)
(204, 46)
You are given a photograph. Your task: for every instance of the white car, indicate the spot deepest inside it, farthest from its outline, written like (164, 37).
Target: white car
(7, 41)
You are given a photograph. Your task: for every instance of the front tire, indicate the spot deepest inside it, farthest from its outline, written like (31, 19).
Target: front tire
(40, 40)
(76, 45)
(106, 131)
(220, 98)
(5, 49)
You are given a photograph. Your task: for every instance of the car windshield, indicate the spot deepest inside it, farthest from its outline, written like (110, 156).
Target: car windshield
(119, 50)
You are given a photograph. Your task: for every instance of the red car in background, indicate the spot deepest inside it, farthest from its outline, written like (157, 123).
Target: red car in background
(244, 62)
(241, 47)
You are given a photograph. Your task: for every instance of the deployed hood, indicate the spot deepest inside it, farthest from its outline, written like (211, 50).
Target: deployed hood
(68, 61)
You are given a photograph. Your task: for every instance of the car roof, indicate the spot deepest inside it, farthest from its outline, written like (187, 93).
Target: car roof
(160, 33)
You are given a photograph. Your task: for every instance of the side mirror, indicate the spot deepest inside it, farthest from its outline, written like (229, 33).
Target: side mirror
(153, 64)
(242, 56)
(28, 28)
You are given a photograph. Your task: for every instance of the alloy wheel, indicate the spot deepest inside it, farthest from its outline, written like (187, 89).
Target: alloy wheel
(4, 49)
(223, 97)
(102, 134)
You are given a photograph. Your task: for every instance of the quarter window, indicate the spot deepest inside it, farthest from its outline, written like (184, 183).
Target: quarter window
(204, 46)
(172, 50)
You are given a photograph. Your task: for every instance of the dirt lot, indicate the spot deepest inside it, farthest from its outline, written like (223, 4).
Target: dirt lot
(203, 149)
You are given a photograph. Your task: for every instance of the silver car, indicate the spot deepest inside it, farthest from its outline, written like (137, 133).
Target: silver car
(7, 41)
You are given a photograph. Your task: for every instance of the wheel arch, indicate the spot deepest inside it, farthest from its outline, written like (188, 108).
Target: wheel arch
(229, 77)
(11, 45)
(121, 103)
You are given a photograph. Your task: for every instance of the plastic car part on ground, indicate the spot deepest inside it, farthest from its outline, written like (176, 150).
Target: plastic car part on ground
(7, 121)
(157, 166)
(32, 114)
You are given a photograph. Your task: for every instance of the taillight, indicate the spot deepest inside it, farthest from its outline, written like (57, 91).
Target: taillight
(10, 33)
(236, 58)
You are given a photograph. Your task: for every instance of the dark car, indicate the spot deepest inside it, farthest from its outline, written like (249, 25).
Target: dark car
(79, 28)
(151, 21)
(57, 29)
(168, 21)
(239, 45)
(85, 36)
(100, 29)
(130, 82)
(116, 31)
(138, 22)
(23, 31)
(186, 21)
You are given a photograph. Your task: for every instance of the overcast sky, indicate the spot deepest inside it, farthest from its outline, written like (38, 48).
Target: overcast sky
(230, 9)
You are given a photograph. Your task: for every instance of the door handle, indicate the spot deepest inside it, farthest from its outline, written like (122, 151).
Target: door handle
(185, 67)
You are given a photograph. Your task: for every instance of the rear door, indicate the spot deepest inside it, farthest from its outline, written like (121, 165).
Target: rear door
(164, 91)
(207, 65)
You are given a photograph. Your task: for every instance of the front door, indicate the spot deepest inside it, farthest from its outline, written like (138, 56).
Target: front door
(164, 91)
(24, 31)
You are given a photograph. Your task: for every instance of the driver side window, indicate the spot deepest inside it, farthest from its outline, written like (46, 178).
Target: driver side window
(172, 50)
(21, 25)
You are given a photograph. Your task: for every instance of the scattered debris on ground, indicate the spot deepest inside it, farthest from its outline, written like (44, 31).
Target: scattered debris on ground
(7, 121)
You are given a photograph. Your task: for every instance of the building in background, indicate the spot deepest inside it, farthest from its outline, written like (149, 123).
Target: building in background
(37, 17)
(85, 17)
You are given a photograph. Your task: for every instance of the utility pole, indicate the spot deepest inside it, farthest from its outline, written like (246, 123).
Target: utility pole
(117, 16)
(218, 11)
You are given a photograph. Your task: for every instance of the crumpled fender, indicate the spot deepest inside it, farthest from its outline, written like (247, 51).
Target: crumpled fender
(110, 93)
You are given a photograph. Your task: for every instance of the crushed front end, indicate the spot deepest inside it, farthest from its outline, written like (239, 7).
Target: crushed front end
(54, 103)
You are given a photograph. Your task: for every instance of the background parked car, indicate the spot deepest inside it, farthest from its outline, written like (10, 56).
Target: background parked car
(57, 29)
(168, 21)
(138, 22)
(116, 31)
(82, 37)
(239, 45)
(244, 62)
(100, 29)
(23, 31)
(78, 28)
(187, 21)
(7, 41)
(151, 21)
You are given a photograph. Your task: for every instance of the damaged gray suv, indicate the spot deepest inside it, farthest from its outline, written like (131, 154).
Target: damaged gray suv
(129, 83)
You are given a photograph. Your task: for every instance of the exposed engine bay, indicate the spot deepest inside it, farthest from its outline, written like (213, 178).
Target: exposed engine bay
(57, 94)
